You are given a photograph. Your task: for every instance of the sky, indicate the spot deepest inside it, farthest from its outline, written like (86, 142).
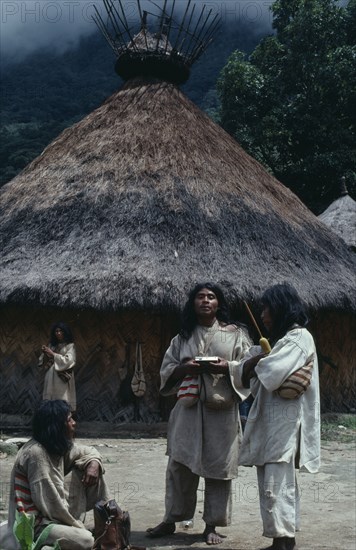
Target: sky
(27, 26)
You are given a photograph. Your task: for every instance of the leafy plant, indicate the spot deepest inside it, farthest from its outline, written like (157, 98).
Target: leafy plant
(25, 533)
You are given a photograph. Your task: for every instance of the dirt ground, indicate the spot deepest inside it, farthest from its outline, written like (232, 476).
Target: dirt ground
(135, 471)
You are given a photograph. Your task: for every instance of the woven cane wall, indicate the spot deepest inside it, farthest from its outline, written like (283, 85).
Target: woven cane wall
(105, 344)
(335, 340)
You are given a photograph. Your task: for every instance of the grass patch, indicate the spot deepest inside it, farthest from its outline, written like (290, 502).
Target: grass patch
(338, 427)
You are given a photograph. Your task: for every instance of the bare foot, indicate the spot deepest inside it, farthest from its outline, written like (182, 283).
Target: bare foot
(211, 536)
(161, 530)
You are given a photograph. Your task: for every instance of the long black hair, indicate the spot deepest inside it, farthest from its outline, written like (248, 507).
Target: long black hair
(286, 309)
(189, 317)
(68, 338)
(49, 426)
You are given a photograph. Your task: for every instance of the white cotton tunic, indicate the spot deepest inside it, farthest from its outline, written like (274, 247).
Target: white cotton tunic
(277, 426)
(205, 440)
(54, 387)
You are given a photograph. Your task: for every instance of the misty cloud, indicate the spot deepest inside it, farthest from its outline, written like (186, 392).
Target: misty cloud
(31, 25)
(28, 26)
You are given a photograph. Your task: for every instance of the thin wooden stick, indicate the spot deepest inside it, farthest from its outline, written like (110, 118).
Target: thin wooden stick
(181, 25)
(253, 319)
(143, 22)
(161, 23)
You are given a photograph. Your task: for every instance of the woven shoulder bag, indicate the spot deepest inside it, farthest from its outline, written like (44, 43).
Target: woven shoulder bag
(298, 382)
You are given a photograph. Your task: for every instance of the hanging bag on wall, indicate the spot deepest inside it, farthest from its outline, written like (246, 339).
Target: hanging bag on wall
(138, 382)
(126, 395)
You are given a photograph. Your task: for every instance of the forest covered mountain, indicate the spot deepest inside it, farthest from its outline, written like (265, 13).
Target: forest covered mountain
(45, 93)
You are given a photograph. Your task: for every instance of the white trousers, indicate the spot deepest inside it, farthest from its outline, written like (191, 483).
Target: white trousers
(70, 538)
(80, 499)
(279, 499)
(181, 496)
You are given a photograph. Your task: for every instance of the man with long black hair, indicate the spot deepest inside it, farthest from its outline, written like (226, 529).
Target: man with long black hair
(203, 435)
(282, 431)
(37, 480)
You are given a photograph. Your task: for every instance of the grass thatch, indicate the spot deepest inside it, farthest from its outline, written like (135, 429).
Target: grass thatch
(144, 197)
(340, 216)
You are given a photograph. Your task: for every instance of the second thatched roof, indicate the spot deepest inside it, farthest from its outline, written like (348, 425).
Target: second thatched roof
(146, 196)
(340, 216)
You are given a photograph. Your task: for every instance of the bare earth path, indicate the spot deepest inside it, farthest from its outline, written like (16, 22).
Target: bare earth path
(135, 471)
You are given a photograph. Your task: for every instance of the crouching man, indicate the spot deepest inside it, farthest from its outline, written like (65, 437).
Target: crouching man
(37, 480)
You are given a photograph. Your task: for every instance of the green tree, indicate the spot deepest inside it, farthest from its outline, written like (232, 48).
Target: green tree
(291, 103)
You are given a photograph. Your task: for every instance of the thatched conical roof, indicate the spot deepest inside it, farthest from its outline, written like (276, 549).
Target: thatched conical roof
(144, 197)
(340, 216)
